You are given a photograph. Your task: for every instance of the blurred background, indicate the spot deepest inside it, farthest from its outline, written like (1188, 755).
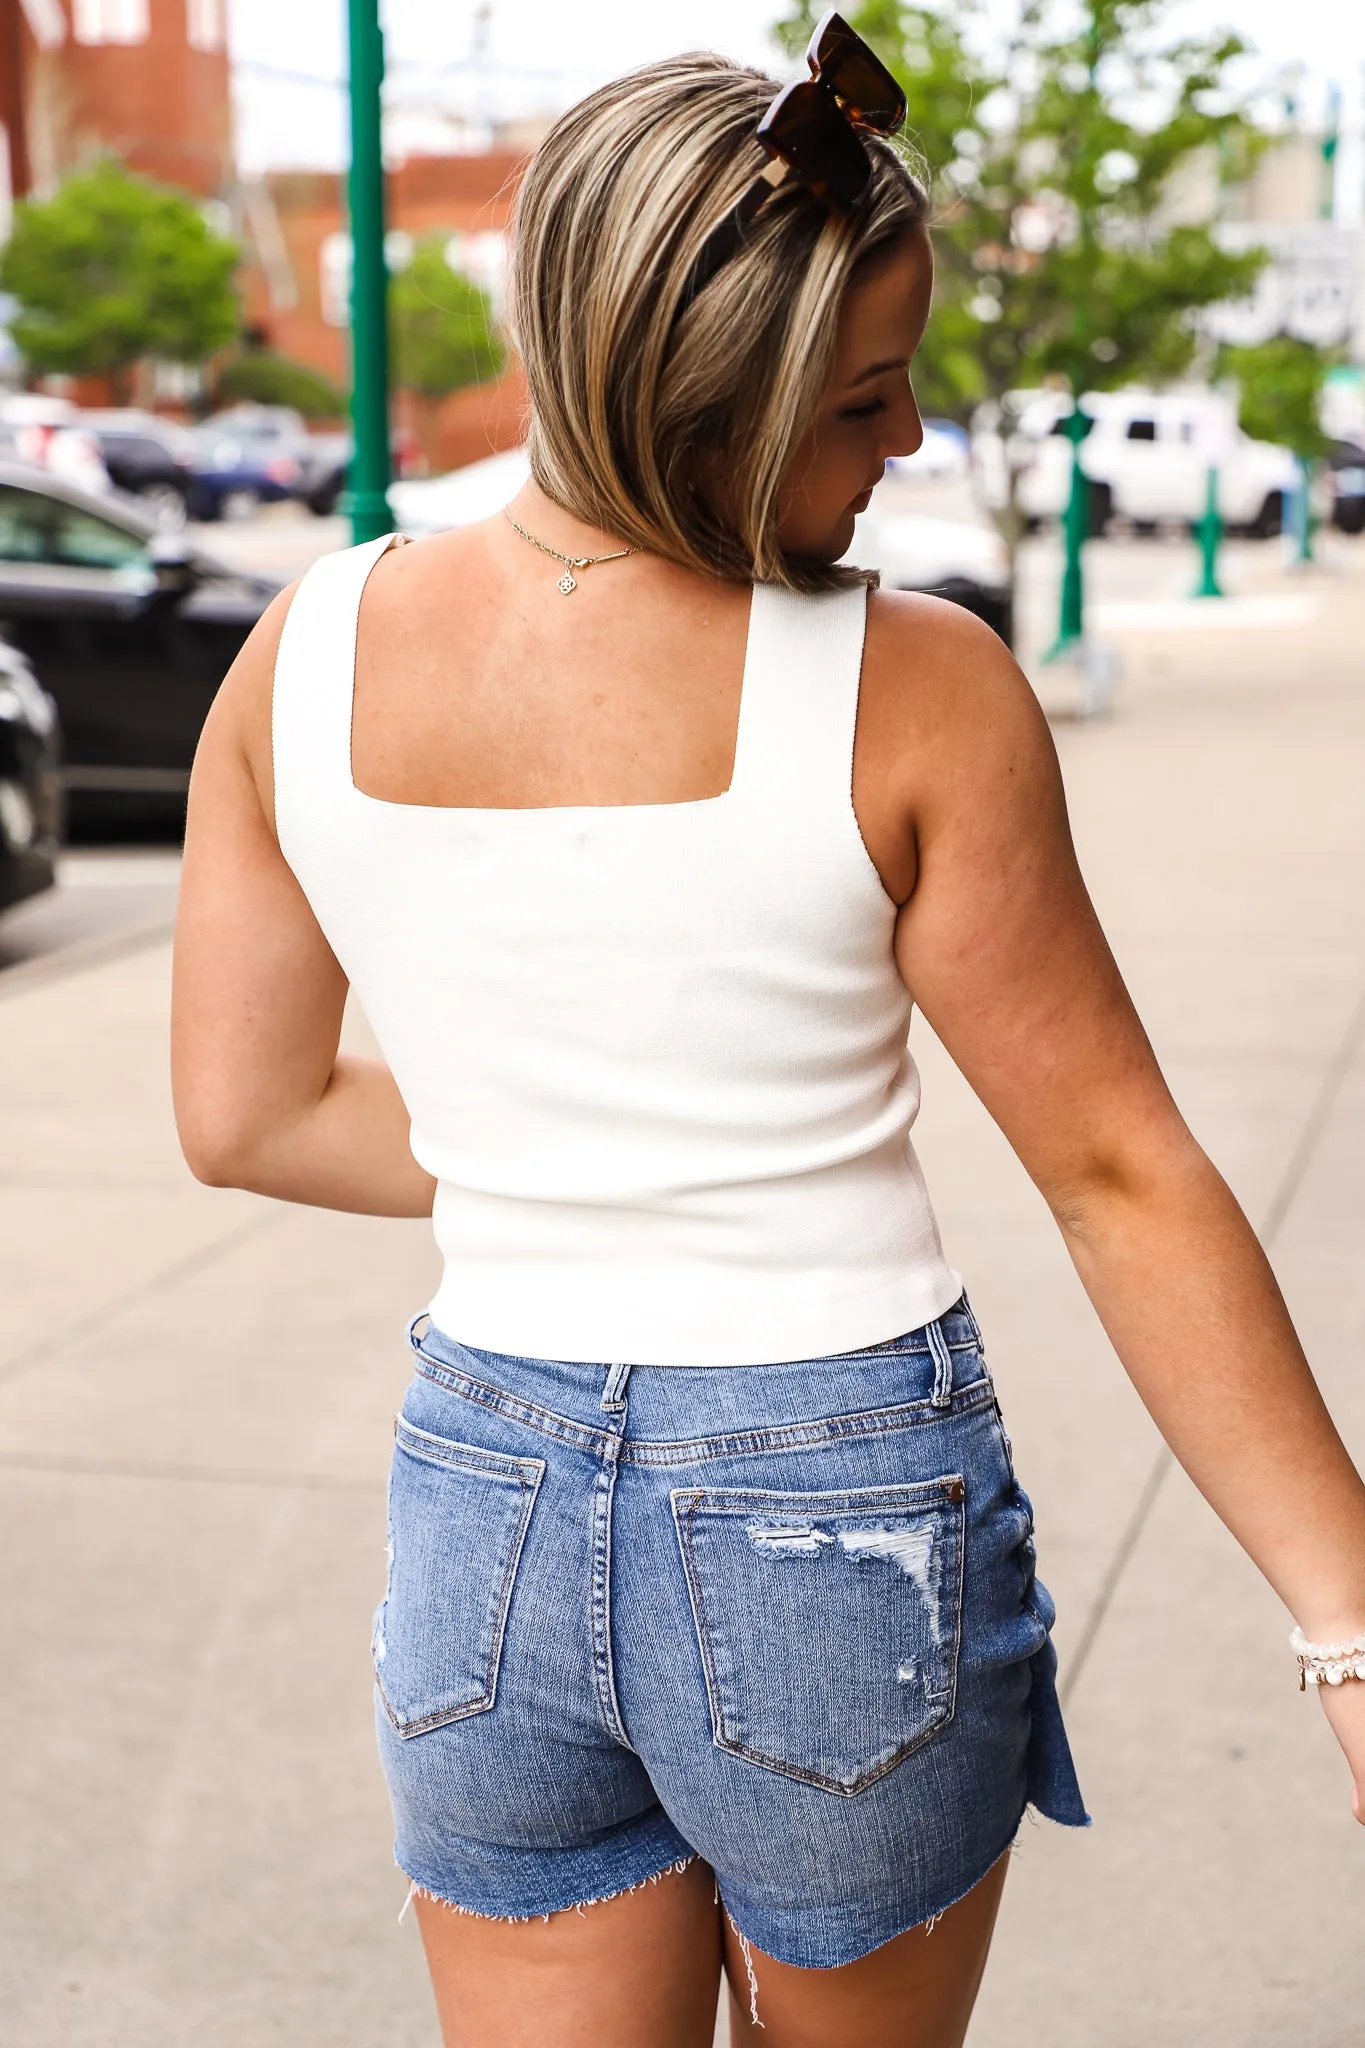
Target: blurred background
(1144, 467)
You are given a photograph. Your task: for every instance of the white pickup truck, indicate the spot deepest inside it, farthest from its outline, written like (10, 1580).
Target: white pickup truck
(1146, 459)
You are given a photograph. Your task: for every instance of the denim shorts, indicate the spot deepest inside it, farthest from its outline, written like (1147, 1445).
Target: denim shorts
(781, 1617)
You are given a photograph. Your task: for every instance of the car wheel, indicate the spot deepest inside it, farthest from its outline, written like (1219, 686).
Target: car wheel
(1349, 515)
(168, 504)
(1270, 519)
(324, 503)
(238, 504)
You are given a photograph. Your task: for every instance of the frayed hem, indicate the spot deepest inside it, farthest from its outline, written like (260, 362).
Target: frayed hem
(747, 1952)
(926, 1924)
(421, 1891)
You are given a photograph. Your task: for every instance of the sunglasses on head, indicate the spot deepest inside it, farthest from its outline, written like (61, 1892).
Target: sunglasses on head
(811, 132)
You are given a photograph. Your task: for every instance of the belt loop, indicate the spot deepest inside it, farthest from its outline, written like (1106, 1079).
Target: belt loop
(943, 1365)
(413, 1338)
(614, 1392)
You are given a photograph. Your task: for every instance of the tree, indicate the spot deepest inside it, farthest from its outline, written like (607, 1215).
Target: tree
(263, 377)
(1055, 157)
(441, 325)
(114, 268)
(1280, 392)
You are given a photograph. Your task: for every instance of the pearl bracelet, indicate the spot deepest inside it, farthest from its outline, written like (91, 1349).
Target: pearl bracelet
(1328, 1663)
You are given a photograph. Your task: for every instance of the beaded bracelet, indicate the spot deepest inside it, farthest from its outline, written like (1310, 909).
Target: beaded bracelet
(1328, 1663)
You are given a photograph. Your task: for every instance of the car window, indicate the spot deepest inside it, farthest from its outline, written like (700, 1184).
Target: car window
(34, 528)
(139, 447)
(1142, 430)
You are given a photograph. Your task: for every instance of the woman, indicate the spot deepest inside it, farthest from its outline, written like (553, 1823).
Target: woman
(636, 820)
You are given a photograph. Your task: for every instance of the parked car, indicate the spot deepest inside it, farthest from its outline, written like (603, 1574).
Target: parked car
(1146, 458)
(233, 475)
(51, 433)
(944, 452)
(1346, 480)
(276, 440)
(964, 562)
(952, 558)
(149, 458)
(131, 629)
(30, 782)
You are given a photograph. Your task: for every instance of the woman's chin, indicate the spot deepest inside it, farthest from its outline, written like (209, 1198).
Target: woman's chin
(826, 547)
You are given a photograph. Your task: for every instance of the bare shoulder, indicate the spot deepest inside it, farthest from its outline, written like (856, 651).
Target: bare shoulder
(946, 705)
(237, 728)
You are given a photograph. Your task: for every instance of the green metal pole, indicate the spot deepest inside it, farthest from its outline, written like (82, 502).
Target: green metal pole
(1301, 515)
(1071, 623)
(1209, 533)
(368, 501)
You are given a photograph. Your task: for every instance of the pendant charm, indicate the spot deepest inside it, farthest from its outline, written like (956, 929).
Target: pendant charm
(567, 582)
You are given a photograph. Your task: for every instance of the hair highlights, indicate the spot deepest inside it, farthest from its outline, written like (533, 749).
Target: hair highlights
(676, 431)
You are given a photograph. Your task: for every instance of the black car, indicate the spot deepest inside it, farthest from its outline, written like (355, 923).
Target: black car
(30, 782)
(129, 628)
(148, 457)
(1347, 466)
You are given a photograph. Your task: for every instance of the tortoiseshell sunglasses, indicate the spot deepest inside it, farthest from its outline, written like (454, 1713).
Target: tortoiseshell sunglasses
(811, 132)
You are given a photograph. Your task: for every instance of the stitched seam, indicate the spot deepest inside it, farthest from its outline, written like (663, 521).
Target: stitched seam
(740, 1443)
(947, 1698)
(697, 1450)
(486, 1396)
(603, 1671)
(860, 1784)
(505, 1585)
(452, 1456)
(802, 1435)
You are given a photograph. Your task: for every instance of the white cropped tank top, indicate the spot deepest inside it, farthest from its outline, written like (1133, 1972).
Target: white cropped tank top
(655, 1055)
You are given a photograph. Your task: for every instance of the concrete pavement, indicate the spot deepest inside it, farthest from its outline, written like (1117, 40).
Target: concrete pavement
(196, 1389)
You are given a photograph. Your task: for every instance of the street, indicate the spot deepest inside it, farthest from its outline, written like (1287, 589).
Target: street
(197, 1387)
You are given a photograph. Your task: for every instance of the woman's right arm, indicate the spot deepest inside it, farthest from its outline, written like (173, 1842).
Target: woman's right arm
(263, 1098)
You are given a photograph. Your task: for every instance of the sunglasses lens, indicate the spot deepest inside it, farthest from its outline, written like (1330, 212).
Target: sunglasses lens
(843, 61)
(806, 129)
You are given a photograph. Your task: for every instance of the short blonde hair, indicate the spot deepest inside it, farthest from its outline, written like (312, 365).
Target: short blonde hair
(639, 412)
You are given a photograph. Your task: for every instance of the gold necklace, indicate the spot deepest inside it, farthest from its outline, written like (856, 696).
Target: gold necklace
(568, 582)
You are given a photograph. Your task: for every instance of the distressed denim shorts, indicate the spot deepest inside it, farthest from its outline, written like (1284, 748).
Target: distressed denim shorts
(781, 1617)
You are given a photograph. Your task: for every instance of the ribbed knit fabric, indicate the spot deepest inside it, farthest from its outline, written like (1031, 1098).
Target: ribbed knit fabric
(655, 1055)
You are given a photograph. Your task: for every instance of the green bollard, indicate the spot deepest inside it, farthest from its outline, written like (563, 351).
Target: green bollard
(1209, 534)
(367, 500)
(1301, 516)
(1071, 621)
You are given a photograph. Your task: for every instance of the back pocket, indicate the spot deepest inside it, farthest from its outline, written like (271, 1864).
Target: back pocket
(457, 1520)
(828, 1622)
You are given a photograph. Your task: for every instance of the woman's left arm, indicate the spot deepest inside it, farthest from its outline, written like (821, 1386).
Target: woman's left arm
(1002, 950)
(263, 1098)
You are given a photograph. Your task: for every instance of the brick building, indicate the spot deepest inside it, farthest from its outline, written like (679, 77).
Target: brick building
(296, 277)
(148, 80)
(145, 79)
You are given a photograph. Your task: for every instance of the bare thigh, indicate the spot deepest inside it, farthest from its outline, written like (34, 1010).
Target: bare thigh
(641, 1968)
(914, 1992)
(646, 1968)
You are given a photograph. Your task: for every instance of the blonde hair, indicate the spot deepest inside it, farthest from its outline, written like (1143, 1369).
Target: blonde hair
(675, 430)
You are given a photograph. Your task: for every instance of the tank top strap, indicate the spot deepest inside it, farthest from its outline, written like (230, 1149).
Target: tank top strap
(799, 704)
(314, 685)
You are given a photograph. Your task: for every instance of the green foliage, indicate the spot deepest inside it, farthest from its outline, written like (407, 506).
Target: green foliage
(1058, 254)
(113, 268)
(440, 325)
(1280, 383)
(264, 378)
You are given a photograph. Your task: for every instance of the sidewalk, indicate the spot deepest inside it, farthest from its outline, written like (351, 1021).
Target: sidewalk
(196, 1391)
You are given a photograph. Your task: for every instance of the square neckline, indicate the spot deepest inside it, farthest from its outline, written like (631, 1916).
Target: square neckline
(384, 803)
